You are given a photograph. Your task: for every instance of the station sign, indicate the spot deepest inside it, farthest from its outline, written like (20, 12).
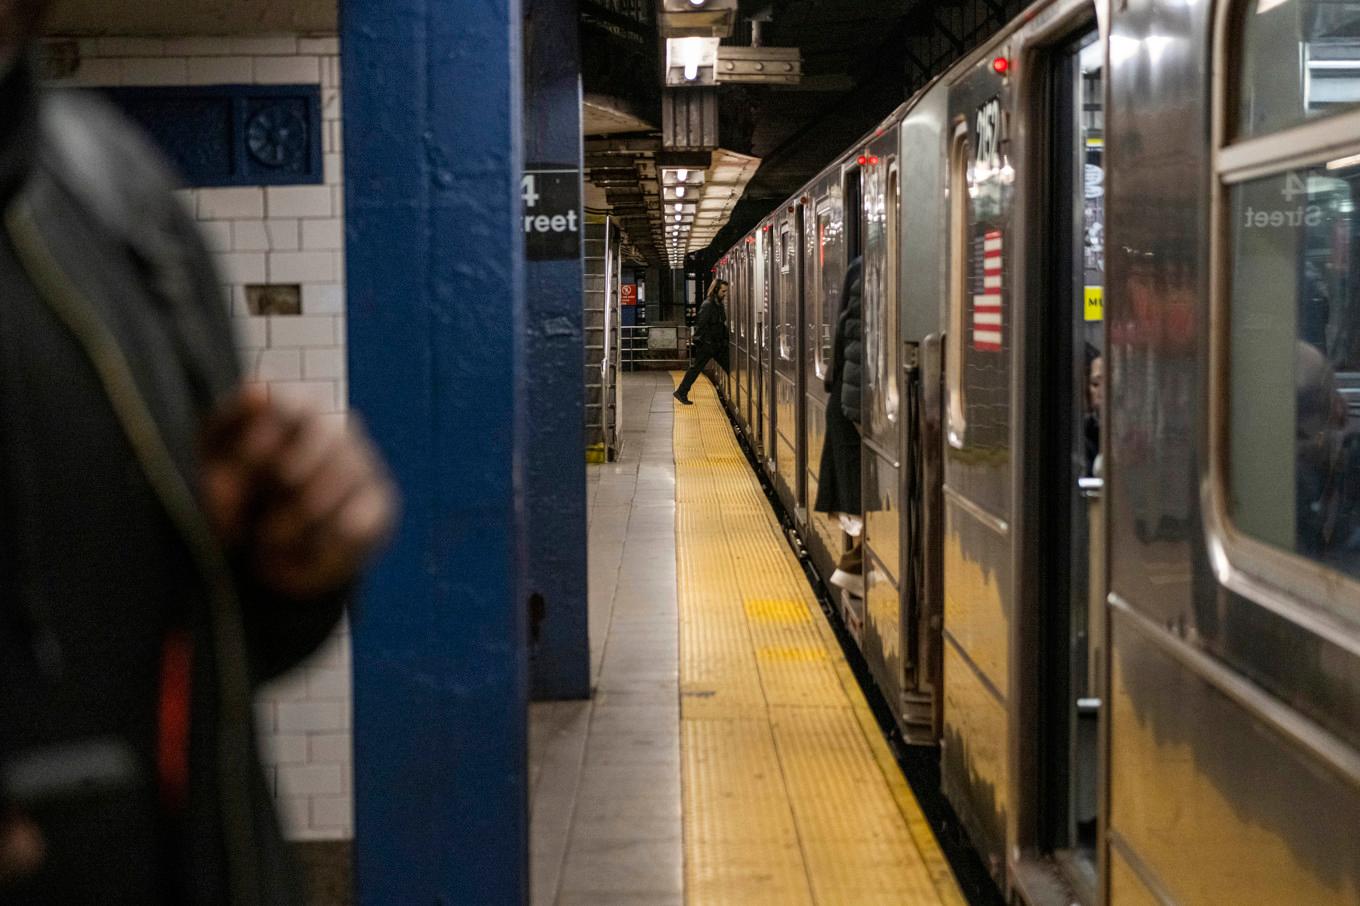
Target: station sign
(552, 212)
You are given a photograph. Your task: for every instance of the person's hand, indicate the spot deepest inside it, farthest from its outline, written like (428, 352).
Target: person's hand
(305, 497)
(21, 849)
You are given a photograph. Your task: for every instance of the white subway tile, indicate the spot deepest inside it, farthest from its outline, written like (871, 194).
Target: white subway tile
(310, 779)
(294, 811)
(98, 72)
(293, 330)
(323, 299)
(327, 683)
(321, 45)
(302, 267)
(332, 812)
(284, 748)
(240, 306)
(323, 364)
(329, 748)
(307, 717)
(198, 47)
(216, 235)
(249, 236)
(284, 235)
(323, 235)
(278, 365)
(330, 72)
(265, 45)
(221, 70)
(317, 394)
(334, 168)
(155, 71)
(331, 104)
(287, 70)
(131, 47)
(299, 201)
(242, 267)
(230, 204)
(251, 333)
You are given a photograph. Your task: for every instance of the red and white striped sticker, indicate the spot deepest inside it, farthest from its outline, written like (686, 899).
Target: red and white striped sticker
(987, 304)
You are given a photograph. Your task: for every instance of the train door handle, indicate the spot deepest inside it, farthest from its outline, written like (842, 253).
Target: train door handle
(1091, 488)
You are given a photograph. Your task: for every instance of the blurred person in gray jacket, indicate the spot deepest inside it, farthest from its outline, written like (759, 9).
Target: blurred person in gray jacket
(169, 538)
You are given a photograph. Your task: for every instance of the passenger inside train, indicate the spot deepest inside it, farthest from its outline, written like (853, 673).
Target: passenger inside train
(838, 489)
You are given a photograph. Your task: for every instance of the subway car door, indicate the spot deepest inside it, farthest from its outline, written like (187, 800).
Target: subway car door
(760, 342)
(773, 304)
(1064, 370)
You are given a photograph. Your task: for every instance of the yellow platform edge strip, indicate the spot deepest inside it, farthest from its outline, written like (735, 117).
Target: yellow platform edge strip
(791, 794)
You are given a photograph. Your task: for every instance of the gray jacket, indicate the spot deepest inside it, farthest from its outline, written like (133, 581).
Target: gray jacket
(114, 346)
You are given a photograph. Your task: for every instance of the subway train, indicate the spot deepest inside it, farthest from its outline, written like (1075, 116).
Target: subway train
(1109, 439)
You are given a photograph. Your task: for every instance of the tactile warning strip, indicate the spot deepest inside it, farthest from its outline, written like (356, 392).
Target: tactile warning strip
(791, 796)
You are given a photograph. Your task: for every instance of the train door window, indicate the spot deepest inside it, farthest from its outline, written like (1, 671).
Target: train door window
(788, 254)
(826, 311)
(1300, 60)
(893, 202)
(959, 208)
(1292, 306)
(1067, 368)
(853, 209)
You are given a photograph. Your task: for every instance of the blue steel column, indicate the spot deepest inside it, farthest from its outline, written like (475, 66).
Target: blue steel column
(433, 127)
(555, 472)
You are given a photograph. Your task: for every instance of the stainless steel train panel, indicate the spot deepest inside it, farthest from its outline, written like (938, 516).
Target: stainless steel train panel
(975, 758)
(978, 593)
(765, 275)
(1210, 803)
(787, 349)
(880, 219)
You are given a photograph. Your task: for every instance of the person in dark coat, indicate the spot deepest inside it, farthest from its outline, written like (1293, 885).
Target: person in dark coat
(838, 479)
(169, 539)
(710, 338)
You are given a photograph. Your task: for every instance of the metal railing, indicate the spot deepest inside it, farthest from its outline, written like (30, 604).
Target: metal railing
(654, 347)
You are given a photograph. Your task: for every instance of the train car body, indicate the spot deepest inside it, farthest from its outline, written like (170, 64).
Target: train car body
(1109, 259)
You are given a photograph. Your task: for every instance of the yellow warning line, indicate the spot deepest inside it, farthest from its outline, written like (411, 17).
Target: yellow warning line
(791, 796)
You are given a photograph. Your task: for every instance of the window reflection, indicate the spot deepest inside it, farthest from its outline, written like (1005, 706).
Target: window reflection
(1295, 362)
(1300, 59)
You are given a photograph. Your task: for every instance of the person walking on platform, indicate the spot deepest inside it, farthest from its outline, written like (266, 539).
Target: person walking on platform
(169, 539)
(710, 338)
(838, 479)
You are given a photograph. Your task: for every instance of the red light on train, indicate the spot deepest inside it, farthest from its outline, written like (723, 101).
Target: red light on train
(1001, 65)
(766, 228)
(873, 160)
(863, 160)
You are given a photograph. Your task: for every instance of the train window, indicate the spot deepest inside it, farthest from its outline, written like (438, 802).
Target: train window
(826, 312)
(958, 285)
(1294, 361)
(787, 318)
(891, 397)
(1300, 59)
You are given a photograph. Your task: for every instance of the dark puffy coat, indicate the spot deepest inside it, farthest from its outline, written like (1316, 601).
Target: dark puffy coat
(848, 349)
(114, 346)
(839, 475)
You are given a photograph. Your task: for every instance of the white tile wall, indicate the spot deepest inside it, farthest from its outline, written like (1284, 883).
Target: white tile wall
(288, 234)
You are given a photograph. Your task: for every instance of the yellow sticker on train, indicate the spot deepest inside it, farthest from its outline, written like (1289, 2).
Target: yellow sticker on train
(1095, 303)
